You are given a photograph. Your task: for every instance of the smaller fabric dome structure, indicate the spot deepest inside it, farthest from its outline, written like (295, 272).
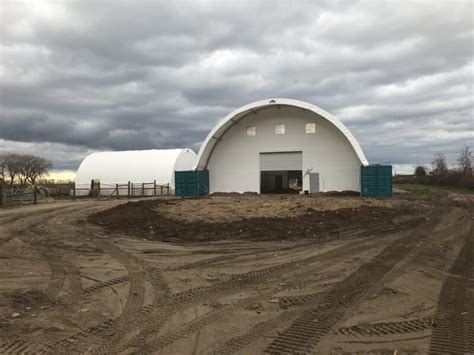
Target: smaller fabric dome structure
(136, 166)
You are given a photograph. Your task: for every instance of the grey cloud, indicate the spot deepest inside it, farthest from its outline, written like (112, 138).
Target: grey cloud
(81, 76)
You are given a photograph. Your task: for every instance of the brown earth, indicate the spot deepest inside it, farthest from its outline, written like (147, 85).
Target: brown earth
(224, 208)
(239, 274)
(293, 217)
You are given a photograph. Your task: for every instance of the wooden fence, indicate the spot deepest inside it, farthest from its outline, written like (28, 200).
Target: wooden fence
(129, 189)
(11, 195)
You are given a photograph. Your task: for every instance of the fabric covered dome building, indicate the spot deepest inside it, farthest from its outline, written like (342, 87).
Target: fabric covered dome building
(135, 166)
(281, 145)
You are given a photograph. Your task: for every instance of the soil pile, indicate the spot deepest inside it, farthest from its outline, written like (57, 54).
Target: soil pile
(143, 219)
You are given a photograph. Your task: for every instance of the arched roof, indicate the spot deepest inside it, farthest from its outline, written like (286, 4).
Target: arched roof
(135, 166)
(219, 130)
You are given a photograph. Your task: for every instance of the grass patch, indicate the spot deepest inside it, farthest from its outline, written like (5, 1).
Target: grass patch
(430, 190)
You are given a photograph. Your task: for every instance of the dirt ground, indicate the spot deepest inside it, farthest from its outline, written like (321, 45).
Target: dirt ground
(239, 274)
(236, 207)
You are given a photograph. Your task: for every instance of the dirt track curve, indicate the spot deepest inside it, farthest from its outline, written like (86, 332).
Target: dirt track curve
(69, 286)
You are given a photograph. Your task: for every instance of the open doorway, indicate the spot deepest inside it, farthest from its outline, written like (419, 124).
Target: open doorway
(281, 172)
(281, 182)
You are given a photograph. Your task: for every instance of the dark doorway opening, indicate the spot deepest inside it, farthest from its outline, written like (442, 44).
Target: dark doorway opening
(278, 182)
(281, 182)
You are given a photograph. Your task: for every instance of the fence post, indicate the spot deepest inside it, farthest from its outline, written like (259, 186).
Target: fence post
(143, 189)
(98, 188)
(154, 187)
(74, 191)
(168, 189)
(128, 189)
(117, 190)
(3, 195)
(161, 190)
(34, 194)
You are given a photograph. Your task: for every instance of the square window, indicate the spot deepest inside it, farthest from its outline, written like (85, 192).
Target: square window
(251, 131)
(310, 127)
(280, 129)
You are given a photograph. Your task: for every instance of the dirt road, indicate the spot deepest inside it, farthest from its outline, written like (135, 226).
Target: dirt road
(68, 285)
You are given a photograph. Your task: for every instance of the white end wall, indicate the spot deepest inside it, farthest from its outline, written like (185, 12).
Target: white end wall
(186, 160)
(234, 163)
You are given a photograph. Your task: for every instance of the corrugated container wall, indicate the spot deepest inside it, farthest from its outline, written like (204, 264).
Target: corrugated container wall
(191, 183)
(376, 180)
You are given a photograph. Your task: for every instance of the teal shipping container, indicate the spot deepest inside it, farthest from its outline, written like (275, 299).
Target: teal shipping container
(191, 183)
(376, 180)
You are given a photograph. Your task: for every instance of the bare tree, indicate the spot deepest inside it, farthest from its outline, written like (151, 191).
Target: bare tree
(12, 166)
(465, 160)
(22, 168)
(23, 161)
(3, 168)
(440, 167)
(33, 167)
(420, 170)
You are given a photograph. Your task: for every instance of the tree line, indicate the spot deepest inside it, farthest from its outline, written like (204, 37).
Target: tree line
(22, 169)
(461, 175)
(465, 160)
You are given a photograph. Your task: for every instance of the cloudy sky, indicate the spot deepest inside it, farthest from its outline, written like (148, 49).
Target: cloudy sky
(81, 76)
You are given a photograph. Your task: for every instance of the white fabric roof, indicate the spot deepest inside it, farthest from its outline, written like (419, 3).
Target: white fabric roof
(219, 130)
(135, 166)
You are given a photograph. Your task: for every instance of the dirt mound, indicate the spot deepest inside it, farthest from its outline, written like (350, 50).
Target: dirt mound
(231, 208)
(227, 194)
(143, 219)
(342, 193)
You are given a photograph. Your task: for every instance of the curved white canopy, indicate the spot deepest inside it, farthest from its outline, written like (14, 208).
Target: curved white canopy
(219, 130)
(135, 166)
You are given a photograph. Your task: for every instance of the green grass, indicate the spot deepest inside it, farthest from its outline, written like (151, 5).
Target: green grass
(431, 190)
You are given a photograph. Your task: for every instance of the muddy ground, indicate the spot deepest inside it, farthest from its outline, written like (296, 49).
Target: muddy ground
(231, 274)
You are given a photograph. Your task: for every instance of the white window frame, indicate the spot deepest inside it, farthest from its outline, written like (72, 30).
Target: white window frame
(310, 127)
(251, 131)
(280, 129)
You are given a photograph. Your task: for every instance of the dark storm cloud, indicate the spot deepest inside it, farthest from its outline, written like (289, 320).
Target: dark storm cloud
(79, 76)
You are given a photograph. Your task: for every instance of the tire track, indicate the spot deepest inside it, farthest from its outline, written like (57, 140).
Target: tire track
(52, 251)
(57, 227)
(455, 312)
(30, 219)
(135, 298)
(237, 282)
(186, 299)
(200, 322)
(20, 347)
(46, 235)
(104, 284)
(31, 229)
(104, 337)
(300, 300)
(96, 334)
(6, 220)
(58, 274)
(388, 328)
(234, 255)
(260, 329)
(306, 331)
